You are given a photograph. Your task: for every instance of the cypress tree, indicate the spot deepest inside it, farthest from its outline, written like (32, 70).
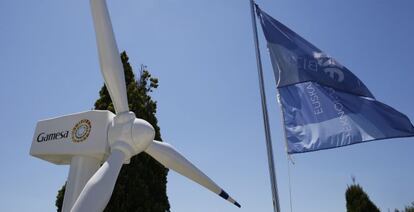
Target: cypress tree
(358, 201)
(141, 185)
(59, 198)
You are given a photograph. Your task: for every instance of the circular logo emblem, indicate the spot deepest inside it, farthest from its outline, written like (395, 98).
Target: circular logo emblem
(81, 130)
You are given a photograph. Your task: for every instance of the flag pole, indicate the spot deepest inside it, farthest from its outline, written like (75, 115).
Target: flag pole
(275, 195)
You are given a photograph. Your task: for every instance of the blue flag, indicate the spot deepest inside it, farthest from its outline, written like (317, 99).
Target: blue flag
(324, 104)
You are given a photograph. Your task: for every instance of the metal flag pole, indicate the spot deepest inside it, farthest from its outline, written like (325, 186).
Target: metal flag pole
(275, 195)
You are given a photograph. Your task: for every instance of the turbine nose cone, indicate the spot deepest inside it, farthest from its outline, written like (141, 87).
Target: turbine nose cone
(142, 134)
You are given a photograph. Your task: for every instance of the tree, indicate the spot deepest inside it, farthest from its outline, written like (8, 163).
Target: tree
(357, 200)
(59, 198)
(409, 208)
(141, 185)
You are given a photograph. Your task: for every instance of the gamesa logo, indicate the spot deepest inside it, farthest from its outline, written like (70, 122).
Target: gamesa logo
(42, 137)
(81, 130)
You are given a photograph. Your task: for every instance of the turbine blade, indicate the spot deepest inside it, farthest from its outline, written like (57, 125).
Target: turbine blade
(172, 159)
(98, 190)
(110, 62)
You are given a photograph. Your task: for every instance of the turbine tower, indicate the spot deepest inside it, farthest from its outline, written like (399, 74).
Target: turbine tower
(88, 139)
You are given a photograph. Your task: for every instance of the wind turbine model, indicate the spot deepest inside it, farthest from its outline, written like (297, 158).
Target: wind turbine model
(86, 139)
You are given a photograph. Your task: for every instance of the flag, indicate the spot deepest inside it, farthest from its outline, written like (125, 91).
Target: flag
(324, 105)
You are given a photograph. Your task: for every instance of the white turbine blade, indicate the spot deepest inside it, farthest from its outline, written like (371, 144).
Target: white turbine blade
(97, 192)
(110, 62)
(172, 159)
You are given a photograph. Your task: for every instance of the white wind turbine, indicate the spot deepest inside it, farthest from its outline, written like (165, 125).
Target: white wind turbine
(85, 140)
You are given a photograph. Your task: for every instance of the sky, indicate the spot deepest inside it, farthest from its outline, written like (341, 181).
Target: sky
(208, 98)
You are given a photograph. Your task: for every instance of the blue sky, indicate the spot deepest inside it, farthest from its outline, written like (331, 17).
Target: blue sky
(208, 99)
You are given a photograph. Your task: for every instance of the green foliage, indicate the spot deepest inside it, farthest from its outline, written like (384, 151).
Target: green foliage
(358, 201)
(409, 208)
(141, 185)
(59, 198)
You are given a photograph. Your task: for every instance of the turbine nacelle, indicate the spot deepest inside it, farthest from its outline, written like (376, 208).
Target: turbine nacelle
(59, 139)
(130, 134)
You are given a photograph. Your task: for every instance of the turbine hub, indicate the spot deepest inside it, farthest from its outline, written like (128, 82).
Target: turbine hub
(129, 134)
